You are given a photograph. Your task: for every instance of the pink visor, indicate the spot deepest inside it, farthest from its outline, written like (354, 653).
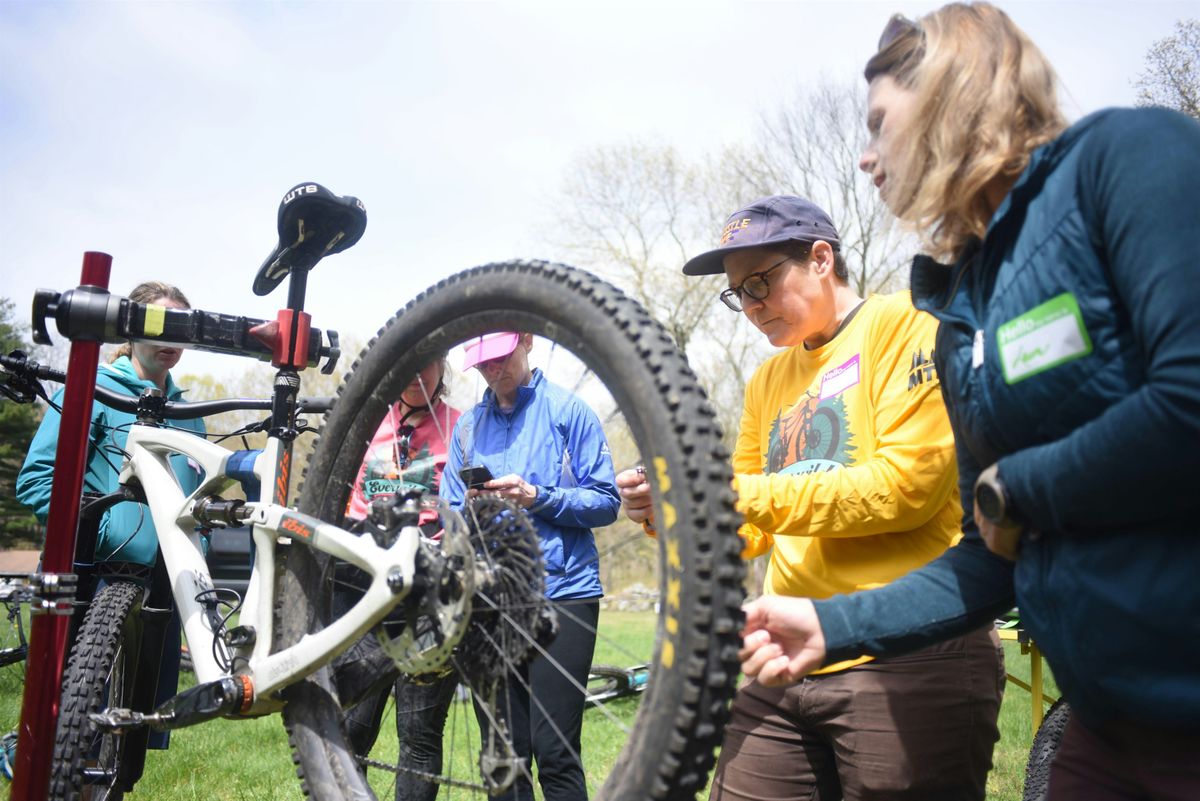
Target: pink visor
(490, 346)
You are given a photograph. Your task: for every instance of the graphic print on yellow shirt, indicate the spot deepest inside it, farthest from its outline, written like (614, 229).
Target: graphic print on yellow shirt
(812, 437)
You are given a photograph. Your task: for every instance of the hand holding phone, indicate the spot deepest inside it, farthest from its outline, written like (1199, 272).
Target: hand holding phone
(475, 476)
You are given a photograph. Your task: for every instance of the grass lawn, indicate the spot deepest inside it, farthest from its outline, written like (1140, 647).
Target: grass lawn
(250, 760)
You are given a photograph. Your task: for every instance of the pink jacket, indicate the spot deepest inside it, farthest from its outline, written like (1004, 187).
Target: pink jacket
(403, 456)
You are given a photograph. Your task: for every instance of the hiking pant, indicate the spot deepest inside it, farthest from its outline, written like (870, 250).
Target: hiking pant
(548, 724)
(919, 727)
(1125, 762)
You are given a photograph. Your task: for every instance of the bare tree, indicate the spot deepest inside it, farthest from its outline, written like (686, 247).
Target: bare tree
(810, 146)
(1172, 74)
(635, 212)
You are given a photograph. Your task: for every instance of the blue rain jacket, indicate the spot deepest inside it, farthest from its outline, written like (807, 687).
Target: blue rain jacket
(126, 531)
(555, 442)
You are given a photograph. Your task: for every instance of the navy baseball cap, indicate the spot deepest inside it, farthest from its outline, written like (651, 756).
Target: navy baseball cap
(767, 221)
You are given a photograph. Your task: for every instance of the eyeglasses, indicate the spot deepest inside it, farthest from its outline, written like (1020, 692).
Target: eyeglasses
(897, 26)
(755, 285)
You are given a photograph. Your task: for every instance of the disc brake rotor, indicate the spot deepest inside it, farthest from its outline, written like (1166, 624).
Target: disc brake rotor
(421, 635)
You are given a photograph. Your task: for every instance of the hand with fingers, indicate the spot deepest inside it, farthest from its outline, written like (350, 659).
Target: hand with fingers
(512, 487)
(782, 640)
(635, 497)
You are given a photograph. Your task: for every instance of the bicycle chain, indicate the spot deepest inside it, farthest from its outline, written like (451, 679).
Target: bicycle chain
(432, 778)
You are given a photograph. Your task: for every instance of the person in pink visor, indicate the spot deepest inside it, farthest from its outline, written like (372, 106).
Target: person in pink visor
(407, 452)
(548, 454)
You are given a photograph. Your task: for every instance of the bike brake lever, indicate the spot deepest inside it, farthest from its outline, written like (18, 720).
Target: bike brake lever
(19, 383)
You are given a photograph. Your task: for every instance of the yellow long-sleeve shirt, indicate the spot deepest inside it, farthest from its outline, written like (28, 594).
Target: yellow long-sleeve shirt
(845, 458)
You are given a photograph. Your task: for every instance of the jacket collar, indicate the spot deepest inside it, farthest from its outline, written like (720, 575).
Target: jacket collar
(123, 373)
(524, 394)
(935, 284)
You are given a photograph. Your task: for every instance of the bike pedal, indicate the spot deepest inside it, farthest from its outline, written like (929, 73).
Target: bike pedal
(119, 720)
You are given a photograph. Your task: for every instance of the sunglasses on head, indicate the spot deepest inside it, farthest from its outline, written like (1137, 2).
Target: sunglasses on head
(899, 25)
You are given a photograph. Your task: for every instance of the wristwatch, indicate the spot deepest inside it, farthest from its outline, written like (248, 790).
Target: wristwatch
(992, 499)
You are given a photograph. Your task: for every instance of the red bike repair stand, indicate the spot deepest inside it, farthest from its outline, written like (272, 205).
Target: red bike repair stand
(54, 587)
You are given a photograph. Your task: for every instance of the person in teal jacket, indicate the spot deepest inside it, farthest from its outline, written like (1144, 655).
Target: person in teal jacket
(126, 532)
(1067, 285)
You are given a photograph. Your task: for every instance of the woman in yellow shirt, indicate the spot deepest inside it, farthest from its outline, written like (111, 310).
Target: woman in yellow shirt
(845, 471)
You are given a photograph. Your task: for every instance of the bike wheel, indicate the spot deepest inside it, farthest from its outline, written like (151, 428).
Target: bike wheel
(101, 673)
(1041, 755)
(654, 414)
(607, 682)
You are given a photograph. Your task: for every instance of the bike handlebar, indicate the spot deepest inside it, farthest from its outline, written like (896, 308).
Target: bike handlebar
(20, 366)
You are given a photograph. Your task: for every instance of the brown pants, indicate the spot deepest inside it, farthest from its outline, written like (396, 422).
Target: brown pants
(1126, 763)
(920, 726)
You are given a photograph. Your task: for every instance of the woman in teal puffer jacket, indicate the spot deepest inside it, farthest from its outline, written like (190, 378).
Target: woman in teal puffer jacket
(1069, 356)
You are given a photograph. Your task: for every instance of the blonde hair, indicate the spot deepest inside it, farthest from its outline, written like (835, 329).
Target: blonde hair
(148, 292)
(985, 98)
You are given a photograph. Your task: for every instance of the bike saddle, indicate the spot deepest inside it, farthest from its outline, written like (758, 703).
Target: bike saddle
(313, 223)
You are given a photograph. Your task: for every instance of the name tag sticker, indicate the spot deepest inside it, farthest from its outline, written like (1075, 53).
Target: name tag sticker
(839, 379)
(1043, 337)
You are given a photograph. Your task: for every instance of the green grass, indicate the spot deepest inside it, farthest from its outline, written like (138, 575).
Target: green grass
(249, 760)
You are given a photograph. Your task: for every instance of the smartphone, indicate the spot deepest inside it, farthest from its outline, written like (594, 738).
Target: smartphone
(475, 477)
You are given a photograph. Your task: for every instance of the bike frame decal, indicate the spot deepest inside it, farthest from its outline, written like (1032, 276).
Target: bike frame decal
(1042, 338)
(664, 486)
(282, 468)
(293, 525)
(674, 566)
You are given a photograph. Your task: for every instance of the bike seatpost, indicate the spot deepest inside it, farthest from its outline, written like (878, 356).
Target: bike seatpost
(51, 612)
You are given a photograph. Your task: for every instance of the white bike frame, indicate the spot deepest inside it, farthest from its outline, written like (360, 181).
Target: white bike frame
(148, 449)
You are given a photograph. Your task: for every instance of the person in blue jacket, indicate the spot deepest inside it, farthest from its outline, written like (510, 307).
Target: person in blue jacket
(1067, 284)
(126, 532)
(548, 454)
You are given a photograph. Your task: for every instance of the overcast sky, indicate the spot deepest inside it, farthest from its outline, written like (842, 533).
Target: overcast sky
(165, 133)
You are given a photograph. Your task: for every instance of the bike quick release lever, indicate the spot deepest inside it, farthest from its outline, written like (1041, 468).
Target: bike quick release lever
(86, 312)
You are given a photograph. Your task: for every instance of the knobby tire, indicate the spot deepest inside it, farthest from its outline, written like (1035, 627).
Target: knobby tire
(1045, 746)
(100, 673)
(668, 750)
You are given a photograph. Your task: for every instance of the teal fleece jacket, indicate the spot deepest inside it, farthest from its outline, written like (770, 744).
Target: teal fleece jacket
(126, 531)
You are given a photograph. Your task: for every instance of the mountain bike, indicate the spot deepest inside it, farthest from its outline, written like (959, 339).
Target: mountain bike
(609, 682)
(471, 603)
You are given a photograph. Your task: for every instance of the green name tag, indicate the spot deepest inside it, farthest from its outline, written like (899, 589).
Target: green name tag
(1043, 337)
